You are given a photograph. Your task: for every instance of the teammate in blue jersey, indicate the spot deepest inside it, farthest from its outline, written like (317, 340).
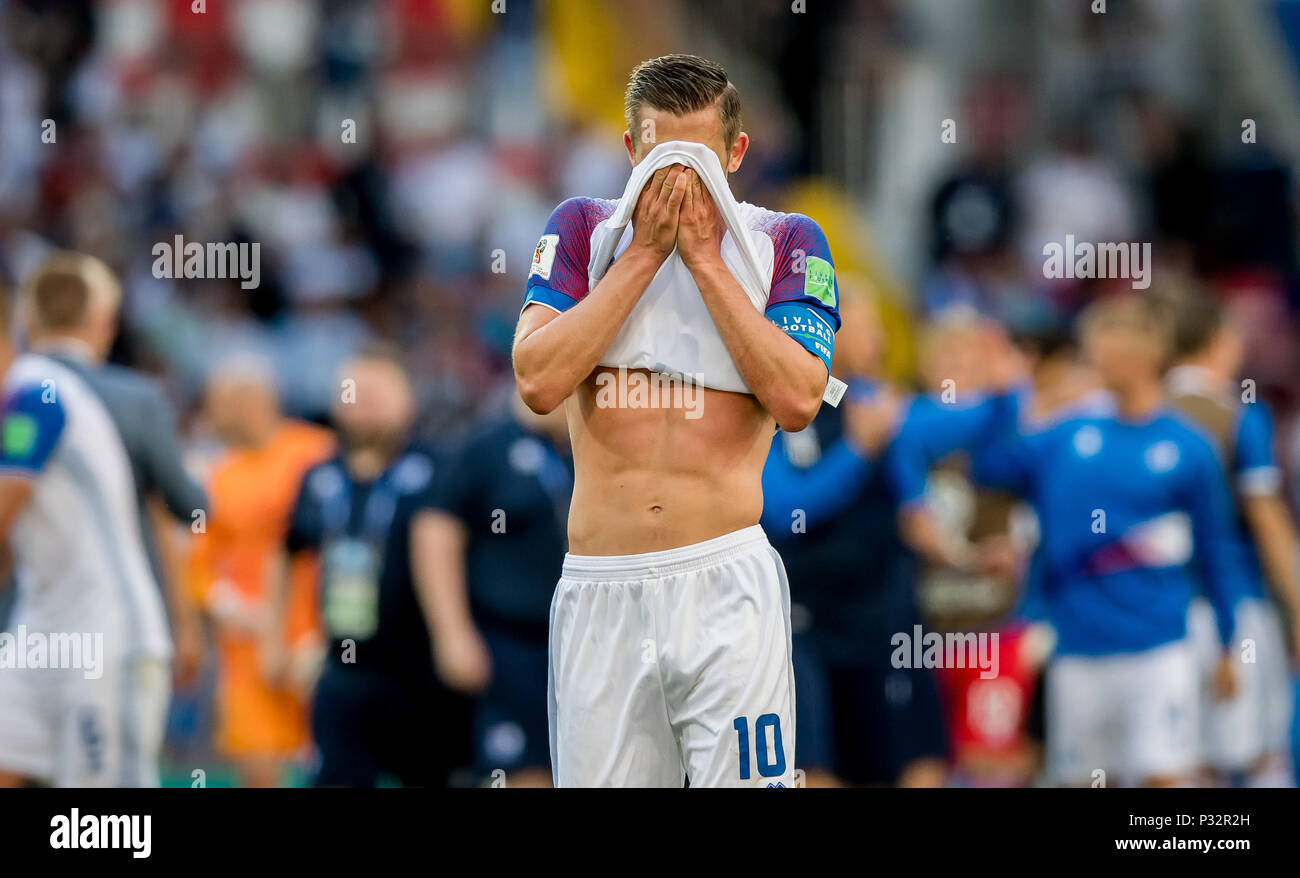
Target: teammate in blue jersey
(832, 495)
(1245, 737)
(828, 508)
(972, 375)
(1126, 503)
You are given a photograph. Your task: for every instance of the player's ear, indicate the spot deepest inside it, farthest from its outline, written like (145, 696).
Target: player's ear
(737, 155)
(631, 146)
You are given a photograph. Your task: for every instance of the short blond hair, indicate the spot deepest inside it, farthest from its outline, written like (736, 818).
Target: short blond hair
(1147, 315)
(59, 294)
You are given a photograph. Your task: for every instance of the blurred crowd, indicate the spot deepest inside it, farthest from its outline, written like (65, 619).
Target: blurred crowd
(396, 162)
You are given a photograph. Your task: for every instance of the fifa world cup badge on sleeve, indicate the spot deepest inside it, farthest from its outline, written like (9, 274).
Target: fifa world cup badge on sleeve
(544, 256)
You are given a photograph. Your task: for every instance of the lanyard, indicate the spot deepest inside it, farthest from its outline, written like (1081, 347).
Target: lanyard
(377, 516)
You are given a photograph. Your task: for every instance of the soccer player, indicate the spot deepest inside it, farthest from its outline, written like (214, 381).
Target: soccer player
(496, 543)
(1245, 737)
(829, 508)
(969, 371)
(380, 712)
(1126, 501)
(89, 709)
(260, 727)
(670, 633)
(72, 306)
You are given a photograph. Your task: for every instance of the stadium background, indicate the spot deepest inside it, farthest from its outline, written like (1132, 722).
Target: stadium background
(226, 125)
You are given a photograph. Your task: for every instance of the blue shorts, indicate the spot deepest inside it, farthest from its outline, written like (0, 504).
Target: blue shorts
(510, 724)
(860, 718)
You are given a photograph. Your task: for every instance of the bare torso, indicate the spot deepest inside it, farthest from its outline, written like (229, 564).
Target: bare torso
(648, 479)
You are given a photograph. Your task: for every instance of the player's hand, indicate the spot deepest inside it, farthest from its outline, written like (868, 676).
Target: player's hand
(654, 222)
(700, 231)
(463, 660)
(870, 424)
(1223, 685)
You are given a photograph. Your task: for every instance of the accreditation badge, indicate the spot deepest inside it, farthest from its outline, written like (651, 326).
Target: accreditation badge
(350, 596)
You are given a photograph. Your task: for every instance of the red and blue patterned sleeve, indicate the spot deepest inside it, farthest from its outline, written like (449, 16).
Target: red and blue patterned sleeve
(804, 299)
(557, 275)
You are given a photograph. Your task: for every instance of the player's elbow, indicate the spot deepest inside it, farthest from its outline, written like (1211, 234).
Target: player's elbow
(795, 411)
(538, 394)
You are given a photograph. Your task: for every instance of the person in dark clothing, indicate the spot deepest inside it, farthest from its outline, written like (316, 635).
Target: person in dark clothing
(380, 712)
(500, 533)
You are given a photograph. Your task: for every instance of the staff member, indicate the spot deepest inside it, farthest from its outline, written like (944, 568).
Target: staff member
(380, 711)
(497, 542)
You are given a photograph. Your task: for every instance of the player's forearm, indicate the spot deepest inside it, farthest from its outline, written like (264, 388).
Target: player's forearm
(1224, 583)
(438, 565)
(1275, 535)
(552, 360)
(787, 379)
(185, 613)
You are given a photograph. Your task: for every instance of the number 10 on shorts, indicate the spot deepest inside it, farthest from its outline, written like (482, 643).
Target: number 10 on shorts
(766, 730)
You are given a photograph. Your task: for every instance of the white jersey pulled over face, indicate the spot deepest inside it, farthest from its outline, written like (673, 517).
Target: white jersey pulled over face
(82, 567)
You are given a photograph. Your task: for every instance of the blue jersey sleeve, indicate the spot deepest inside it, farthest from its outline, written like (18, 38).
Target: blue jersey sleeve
(804, 297)
(1255, 470)
(931, 430)
(820, 491)
(30, 427)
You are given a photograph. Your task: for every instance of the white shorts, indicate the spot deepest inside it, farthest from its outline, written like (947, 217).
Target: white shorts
(673, 664)
(1257, 720)
(58, 727)
(1133, 716)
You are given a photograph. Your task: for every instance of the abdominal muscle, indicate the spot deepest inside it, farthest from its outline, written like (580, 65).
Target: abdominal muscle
(652, 478)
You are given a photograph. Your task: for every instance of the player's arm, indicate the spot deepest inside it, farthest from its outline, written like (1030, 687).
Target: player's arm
(1275, 536)
(1259, 484)
(30, 427)
(438, 542)
(187, 632)
(1000, 458)
(439, 545)
(15, 491)
(1209, 503)
(555, 350)
(819, 492)
(786, 375)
